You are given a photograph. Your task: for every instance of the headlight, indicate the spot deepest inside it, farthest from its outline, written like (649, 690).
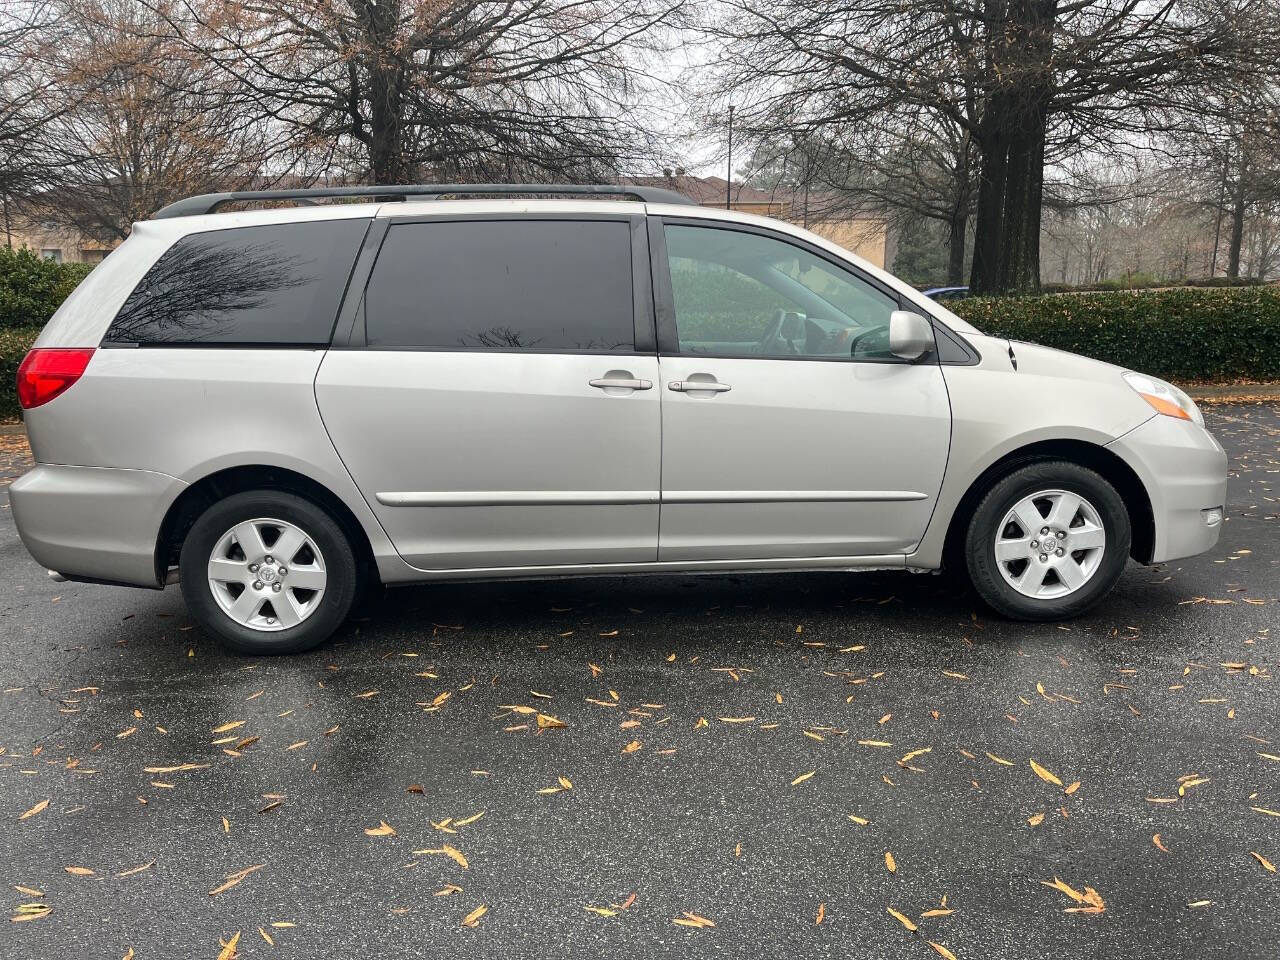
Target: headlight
(1165, 398)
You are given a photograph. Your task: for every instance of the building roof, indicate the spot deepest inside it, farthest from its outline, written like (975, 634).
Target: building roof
(705, 191)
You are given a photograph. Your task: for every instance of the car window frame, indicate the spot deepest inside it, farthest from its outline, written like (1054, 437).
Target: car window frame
(664, 296)
(352, 328)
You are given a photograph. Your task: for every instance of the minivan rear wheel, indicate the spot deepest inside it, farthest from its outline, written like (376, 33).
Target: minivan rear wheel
(1048, 541)
(267, 571)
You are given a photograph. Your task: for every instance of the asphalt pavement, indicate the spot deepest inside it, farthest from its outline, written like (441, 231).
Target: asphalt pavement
(802, 765)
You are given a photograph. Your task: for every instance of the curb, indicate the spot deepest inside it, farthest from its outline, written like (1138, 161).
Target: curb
(1235, 393)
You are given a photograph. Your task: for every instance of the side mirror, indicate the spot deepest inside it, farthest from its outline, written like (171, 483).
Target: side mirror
(910, 335)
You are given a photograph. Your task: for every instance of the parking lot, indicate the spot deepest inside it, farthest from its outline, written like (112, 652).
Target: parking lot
(803, 765)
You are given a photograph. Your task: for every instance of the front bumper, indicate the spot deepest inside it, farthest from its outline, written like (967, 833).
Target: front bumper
(93, 523)
(1184, 470)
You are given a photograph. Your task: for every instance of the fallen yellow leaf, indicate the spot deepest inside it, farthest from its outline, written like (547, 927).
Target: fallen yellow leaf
(34, 810)
(233, 878)
(941, 950)
(693, 920)
(471, 918)
(890, 864)
(802, 778)
(902, 919)
(453, 853)
(1045, 775)
(1091, 899)
(383, 829)
(228, 951)
(1267, 865)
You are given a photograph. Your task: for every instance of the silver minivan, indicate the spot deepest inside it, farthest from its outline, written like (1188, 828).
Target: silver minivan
(278, 407)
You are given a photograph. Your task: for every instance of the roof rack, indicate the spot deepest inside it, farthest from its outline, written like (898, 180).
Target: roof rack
(210, 202)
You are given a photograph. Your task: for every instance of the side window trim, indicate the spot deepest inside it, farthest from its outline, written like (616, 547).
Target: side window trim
(664, 297)
(971, 357)
(349, 330)
(664, 304)
(642, 295)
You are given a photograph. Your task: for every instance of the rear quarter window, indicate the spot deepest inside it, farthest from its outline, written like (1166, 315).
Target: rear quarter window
(537, 285)
(277, 284)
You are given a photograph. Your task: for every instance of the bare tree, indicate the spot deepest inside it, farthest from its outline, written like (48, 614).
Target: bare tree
(915, 163)
(1020, 77)
(28, 32)
(404, 90)
(1228, 143)
(140, 121)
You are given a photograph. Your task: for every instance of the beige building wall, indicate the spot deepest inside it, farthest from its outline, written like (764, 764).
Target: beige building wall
(868, 237)
(55, 243)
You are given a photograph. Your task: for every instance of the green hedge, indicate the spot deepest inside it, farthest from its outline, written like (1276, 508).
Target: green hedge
(32, 288)
(1145, 281)
(14, 344)
(1183, 334)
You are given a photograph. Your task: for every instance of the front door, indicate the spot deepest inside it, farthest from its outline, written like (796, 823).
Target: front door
(788, 429)
(503, 410)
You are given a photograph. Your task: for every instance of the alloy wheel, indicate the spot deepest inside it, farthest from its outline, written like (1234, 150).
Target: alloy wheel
(267, 574)
(1050, 544)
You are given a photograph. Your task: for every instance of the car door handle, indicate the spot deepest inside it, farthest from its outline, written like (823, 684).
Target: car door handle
(622, 383)
(692, 386)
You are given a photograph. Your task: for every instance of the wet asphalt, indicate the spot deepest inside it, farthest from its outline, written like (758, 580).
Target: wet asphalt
(670, 767)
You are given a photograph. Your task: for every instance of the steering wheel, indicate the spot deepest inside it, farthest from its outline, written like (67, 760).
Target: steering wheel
(853, 344)
(773, 335)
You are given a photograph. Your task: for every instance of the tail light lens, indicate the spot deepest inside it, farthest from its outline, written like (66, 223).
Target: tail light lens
(46, 372)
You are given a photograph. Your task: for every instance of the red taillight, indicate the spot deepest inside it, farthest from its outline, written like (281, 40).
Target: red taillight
(46, 372)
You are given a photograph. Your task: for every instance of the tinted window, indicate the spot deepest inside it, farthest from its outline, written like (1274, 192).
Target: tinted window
(278, 284)
(743, 294)
(503, 285)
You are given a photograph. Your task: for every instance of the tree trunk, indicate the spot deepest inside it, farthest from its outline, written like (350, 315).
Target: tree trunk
(988, 242)
(386, 141)
(1237, 230)
(1012, 135)
(955, 248)
(1023, 193)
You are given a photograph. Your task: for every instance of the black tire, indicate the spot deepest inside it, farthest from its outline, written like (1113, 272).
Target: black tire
(341, 571)
(979, 543)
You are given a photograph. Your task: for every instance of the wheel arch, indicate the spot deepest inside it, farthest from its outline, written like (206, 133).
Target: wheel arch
(1109, 465)
(197, 497)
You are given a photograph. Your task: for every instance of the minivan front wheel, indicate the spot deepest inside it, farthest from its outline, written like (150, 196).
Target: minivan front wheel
(267, 571)
(1048, 541)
